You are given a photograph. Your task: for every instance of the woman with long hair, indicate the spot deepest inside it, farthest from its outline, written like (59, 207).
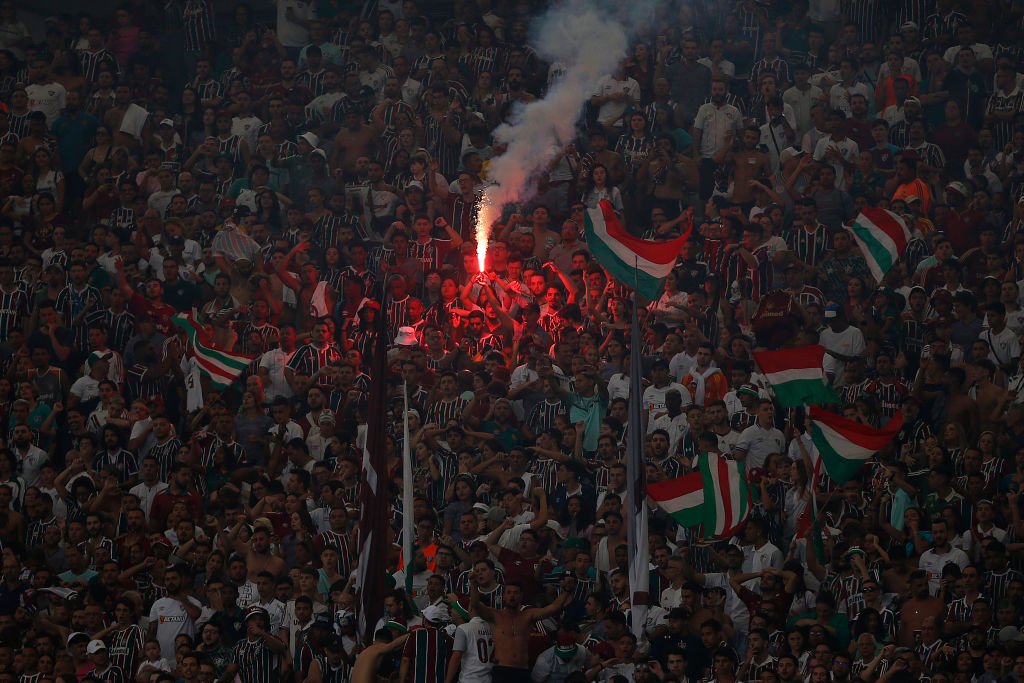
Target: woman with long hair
(48, 177)
(461, 497)
(597, 186)
(268, 211)
(798, 497)
(190, 116)
(856, 307)
(301, 529)
(98, 155)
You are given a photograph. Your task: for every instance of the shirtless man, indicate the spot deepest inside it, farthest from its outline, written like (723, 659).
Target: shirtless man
(750, 163)
(989, 396)
(960, 407)
(511, 627)
(258, 557)
(356, 139)
(368, 662)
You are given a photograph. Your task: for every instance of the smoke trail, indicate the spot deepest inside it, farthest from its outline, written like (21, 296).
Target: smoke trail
(589, 42)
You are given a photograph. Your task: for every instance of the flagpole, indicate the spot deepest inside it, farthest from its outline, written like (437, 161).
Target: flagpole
(407, 502)
(636, 529)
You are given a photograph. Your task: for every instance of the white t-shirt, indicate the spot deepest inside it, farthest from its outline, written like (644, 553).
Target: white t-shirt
(245, 127)
(847, 148)
(171, 621)
(849, 342)
(290, 33)
(473, 640)
(31, 463)
(48, 98)
(610, 112)
(758, 443)
(933, 563)
(146, 495)
(654, 397)
(274, 361)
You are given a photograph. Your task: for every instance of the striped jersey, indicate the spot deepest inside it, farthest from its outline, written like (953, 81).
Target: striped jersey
(256, 662)
(71, 302)
(999, 103)
(165, 453)
(428, 650)
(443, 412)
(308, 359)
(199, 28)
(207, 90)
(92, 60)
(810, 246)
(125, 646)
(14, 309)
(997, 583)
(542, 416)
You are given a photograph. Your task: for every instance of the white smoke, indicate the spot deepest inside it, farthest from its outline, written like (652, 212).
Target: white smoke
(588, 41)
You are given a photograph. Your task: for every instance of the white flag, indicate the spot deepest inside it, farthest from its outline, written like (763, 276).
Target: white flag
(194, 400)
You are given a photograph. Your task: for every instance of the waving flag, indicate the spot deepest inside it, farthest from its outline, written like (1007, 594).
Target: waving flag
(682, 498)
(797, 375)
(844, 445)
(882, 236)
(221, 367)
(374, 503)
(629, 259)
(717, 495)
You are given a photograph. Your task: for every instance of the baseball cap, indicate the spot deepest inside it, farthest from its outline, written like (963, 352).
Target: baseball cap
(749, 389)
(334, 644)
(790, 153)
(832, 310)
(437, 614)
(311, 138)
(167, 122)
(95, 646)
(958, 187)
(78, 637)
(322, 620)
(660, 363)
(911, 100)
(414, 185)
(909, 26)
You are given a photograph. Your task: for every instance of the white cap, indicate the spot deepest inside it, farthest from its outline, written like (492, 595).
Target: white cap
(95, 646)
(311, 138)
(167, 122)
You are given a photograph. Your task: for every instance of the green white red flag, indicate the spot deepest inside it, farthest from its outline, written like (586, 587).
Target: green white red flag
(220, 367)
(846, 446)
(716, 495)
(883, 237)
(797, 375)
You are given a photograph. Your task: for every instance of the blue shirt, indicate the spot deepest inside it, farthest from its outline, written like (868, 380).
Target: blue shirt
(74, 138)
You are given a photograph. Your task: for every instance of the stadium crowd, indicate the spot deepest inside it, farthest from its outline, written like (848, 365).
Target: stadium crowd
(182, 502)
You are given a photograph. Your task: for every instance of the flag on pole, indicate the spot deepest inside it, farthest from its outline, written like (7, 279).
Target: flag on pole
(797, 375)
(844, 445)
(408, 533)
(374, 503)
(716, 495)
(883, 237)
(809, 524)
(630, 260)
(221, 367)
(682, 498)
(637, 541)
